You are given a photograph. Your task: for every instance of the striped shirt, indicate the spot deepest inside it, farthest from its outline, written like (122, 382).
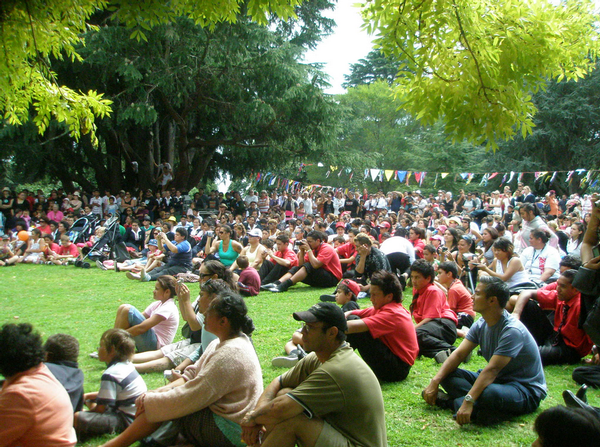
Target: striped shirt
(120, 386)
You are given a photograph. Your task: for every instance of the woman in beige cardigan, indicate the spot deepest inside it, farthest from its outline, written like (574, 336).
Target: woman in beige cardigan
(211, 397)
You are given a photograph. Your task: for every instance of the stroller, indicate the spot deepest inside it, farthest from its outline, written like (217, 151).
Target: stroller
(109, 245)
(83, 228)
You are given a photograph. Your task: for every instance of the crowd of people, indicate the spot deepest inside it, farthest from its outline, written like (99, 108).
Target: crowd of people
(529, 266)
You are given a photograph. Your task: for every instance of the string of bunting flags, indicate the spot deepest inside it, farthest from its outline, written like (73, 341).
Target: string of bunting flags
(586, 177)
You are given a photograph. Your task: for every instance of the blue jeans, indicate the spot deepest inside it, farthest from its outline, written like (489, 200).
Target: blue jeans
(146, 341)
(498, 399)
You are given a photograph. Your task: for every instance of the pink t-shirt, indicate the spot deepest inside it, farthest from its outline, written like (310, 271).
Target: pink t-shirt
(167, 329)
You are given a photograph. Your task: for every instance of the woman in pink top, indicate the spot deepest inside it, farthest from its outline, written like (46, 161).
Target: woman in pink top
(157, 325)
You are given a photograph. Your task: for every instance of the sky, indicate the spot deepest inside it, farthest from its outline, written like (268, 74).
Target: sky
(345, 46)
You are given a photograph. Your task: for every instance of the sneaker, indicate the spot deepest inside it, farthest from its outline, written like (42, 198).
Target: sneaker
(101, 266)
(283, 286)
(144, 277)
(133, 276)
(268, 287)
(328, 298)
(285, 361)
(442, 356)
(94, 355)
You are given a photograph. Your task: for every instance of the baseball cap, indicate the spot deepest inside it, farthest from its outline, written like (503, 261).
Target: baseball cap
(384, 224)
(153, 242)
(352, 285)
(340, 224)
(255, 233)
(328, 313)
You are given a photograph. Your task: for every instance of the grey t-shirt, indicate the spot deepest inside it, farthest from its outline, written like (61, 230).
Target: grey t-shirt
(510, 338)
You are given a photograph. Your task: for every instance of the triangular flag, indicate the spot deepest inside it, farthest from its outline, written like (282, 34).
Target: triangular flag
(374, 174)
(408, 177)
(512, 174)
(435, 181)
(491, 176)
(422, 178)
(503, 179)
(444, 175)
(401, 175)
(389, 174)
(418, 176)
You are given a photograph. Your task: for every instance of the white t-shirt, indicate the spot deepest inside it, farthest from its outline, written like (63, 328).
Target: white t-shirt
(536, 261)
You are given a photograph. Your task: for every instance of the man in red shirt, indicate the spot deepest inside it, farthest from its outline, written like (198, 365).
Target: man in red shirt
(318, 265)
(436, 323)
(563, 342)
(282, 260)
(384, 334)
(459, 298)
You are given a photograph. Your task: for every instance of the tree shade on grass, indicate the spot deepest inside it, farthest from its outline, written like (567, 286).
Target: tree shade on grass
(83, 303)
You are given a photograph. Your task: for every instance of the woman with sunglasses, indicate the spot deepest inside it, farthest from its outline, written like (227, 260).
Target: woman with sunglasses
(225, 246)
(193, 330)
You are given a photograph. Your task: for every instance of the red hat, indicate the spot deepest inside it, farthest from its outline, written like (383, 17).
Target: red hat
(340, 224)
(384, 224)
(352, 285)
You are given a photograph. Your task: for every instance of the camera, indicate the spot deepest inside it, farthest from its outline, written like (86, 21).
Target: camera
(298, 243)
(210, 233)
(445, 249)
(468, 257)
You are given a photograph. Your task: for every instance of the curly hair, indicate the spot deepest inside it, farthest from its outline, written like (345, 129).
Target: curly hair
(20, 349)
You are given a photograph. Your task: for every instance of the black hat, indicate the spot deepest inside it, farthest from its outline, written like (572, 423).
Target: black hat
(328, 313)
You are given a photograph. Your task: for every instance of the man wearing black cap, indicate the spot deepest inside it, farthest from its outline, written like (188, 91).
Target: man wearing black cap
(330, 398)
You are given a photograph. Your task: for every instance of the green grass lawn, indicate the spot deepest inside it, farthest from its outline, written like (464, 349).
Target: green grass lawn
(83, 303)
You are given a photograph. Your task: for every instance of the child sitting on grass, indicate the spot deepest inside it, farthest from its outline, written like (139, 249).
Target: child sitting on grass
(62, 352)
(67, 252)
(345, 295)
(112, 409)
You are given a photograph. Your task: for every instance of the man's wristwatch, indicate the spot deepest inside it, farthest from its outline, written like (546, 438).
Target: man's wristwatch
(469, 398)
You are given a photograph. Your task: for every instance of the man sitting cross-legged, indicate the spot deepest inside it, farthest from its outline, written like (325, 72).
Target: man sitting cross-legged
(318, 265)
(563, 342)
(513, 381)
(384, 334)
(330, 398)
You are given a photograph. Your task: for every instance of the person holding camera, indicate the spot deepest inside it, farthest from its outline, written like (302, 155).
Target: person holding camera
(318, 265)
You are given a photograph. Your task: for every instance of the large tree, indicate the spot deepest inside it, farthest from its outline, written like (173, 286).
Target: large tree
(231, 99)
(475, 64)
(33, 31)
